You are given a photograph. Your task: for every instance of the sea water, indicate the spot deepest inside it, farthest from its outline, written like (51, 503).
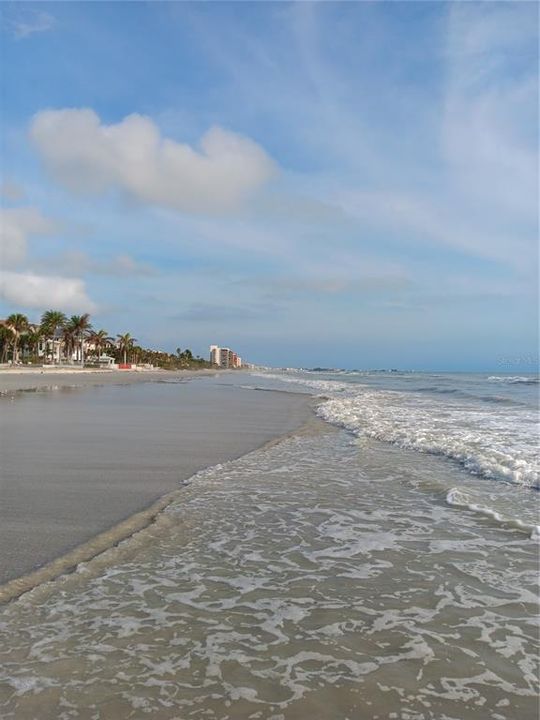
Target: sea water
(382, 565)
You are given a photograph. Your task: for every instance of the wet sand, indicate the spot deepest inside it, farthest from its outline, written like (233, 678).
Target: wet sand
(26, 379)
(75, 461)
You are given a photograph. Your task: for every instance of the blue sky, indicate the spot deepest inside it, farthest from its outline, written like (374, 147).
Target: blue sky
(341, 184)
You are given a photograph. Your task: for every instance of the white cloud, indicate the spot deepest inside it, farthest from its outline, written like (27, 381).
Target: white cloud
(16, 224)
(87, 156)
(445, 222)
(24, 289)
(483, 198)
(489, 129)
(31, 22)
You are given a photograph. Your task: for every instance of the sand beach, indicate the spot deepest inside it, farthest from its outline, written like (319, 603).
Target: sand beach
(92, 454)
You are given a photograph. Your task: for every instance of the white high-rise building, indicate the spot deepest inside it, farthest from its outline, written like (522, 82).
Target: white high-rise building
(214, 355)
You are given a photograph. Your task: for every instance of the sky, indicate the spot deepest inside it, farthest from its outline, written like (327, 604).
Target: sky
(312, 184)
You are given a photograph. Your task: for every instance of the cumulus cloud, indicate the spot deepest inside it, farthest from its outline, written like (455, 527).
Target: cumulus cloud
(87, 156)
(27, 290)
(16, 224)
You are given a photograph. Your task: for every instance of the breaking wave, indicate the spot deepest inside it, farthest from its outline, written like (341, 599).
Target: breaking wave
(495, 437)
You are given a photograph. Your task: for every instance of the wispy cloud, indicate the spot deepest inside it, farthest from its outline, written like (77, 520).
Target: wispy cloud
(28, 22)
(491, 98)
(325, 283)
(11, 191)
(77, 262)
(215, 313)
(479, 197)
(16, 225)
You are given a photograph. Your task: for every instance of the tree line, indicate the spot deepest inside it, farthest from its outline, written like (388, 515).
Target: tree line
(66, 339)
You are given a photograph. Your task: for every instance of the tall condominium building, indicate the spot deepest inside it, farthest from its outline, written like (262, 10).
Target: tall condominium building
(214, 354)
(224, 357)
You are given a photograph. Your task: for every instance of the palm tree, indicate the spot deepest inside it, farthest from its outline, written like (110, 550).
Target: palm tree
(31, 339)
(18, 324)
(100, 340)
(125, 343)
(6, 337)
(77, 326)
(137, 353)
(67, 340)
(51, 322)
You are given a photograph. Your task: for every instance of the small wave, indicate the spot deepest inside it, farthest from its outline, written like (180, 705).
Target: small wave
(458, 498)
(439, 391)
(317, 385)
(456, 393)
(514, 379)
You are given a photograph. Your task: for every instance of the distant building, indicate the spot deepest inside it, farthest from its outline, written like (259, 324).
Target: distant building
(224, 357)
(214, 355)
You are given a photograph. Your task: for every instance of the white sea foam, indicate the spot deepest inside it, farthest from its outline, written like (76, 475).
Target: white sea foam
(514, 379)
(485, 438)
(295, 579)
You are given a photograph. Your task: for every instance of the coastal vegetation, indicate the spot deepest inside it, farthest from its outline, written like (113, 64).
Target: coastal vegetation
(125, 344)
(61, 340)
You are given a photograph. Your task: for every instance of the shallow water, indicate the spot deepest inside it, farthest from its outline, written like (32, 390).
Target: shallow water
(326, 576)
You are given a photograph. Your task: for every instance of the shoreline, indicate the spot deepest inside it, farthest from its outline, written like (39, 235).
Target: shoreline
(64, 520)
(97, 553)
(17, 379)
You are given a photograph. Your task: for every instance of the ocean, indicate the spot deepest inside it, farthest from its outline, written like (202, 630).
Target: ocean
(382, 563)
